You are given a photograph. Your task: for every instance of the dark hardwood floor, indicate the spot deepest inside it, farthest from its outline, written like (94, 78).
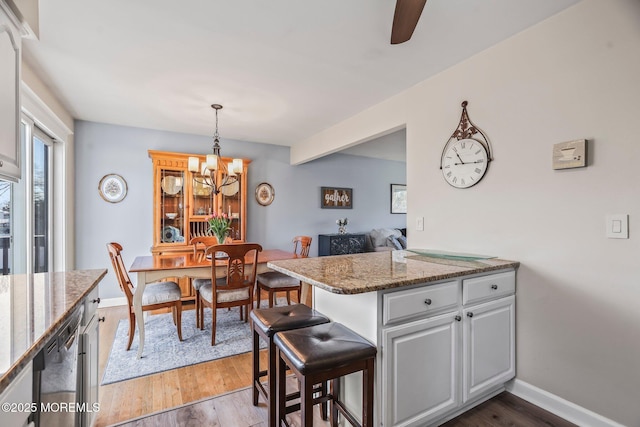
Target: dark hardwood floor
(235, 410)
(214, 393)
(507, 409)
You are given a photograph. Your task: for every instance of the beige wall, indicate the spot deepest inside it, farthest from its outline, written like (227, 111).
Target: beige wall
(576, 75)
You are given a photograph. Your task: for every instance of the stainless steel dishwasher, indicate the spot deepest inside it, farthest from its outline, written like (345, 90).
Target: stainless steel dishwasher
(56, 379)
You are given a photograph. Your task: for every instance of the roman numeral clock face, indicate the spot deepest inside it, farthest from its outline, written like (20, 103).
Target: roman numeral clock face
(464, 163)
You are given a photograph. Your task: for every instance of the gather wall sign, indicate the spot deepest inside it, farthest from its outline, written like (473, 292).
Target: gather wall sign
(336, 198)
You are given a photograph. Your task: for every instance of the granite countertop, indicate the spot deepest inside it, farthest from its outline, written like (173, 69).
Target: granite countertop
(376, 271)
(32, 308)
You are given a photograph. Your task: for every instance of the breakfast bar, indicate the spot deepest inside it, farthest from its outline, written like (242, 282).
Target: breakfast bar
(444, 325)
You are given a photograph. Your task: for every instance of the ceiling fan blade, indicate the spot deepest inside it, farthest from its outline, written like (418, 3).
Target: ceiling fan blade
(405, 19)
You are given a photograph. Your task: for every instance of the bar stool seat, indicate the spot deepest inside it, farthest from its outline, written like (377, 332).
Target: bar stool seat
(321, 353)
(265, 324)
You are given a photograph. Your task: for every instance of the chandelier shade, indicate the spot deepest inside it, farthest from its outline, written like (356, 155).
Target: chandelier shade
(215, 172)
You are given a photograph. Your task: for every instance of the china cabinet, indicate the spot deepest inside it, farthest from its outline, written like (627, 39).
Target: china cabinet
(183, 202)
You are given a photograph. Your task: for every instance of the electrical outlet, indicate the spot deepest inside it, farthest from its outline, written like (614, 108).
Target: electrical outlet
(420, 223)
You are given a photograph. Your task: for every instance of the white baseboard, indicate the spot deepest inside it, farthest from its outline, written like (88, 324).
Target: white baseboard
(559, 406)
(112, 302)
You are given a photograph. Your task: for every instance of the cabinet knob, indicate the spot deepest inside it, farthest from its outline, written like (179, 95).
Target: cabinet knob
(101, 319)
(469, 314)
(494, 286)
(96, 301)
(458, 318)
(427, 301)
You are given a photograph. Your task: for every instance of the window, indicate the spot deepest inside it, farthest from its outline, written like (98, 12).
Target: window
(5, 227)
(26, 208)
(40, 197)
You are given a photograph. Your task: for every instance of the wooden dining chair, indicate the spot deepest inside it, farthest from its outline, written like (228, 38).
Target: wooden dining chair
(273, 281)
(156, 295)
(233, 290)
(200, 245)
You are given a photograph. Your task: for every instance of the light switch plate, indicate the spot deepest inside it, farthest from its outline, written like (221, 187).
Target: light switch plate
(420, 223)
(617, 226)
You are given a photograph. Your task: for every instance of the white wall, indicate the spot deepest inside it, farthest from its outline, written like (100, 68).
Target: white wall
(576, 75)
(103, 149)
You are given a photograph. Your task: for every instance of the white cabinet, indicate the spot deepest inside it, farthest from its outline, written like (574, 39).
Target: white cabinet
(10, 44)
(459, 351)
(89, 353)
(420, 370)
(488, 346)
(18, 397)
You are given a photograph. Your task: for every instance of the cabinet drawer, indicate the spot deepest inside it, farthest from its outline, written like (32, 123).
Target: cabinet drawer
(421, 301)
(488, 287)
(90, 305)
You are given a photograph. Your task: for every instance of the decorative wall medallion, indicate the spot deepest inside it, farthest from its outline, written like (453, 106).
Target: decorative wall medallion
(265, 194)
(466, 155)
(112, 188)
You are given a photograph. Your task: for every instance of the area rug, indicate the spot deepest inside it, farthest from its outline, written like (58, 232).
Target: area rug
(163, 351)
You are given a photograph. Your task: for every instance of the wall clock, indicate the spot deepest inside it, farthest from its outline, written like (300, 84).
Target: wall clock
(265, 194)
(466, 155)
(112, 188)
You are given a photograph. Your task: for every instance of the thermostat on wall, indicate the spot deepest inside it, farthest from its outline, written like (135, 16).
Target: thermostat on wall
(570, 154)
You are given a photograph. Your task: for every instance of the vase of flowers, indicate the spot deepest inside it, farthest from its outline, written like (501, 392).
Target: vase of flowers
(219, 225)
(342, 225)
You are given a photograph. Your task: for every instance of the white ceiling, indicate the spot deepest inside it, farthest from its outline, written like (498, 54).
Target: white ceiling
(388, 147)
(283, 69)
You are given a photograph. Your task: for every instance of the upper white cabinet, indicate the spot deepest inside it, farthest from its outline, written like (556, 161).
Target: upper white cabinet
(10, 44)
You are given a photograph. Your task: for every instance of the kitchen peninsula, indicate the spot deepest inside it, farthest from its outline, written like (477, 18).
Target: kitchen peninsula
(444, 327)
(33, 308)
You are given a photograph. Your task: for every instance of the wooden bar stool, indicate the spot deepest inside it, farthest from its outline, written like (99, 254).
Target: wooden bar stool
(265, 323)
(322, 353)
(274, 281)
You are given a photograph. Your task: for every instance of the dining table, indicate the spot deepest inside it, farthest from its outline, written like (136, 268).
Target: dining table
(153, 268)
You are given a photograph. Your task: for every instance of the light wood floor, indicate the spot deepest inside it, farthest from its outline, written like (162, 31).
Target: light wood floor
(138, 397)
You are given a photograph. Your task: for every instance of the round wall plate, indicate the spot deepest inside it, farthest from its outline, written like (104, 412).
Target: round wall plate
(112, 188)
(265, 194)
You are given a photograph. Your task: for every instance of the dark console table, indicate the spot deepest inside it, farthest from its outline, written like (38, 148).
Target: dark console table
(340, 244)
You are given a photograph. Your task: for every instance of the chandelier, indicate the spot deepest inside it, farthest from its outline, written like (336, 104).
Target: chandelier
(228, 172)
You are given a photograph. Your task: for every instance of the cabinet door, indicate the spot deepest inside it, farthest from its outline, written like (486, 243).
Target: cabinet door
(488, 346)
(231, 201)
(170, 221)
(90, 374)
(347, 244)
(9, 101)
(419, 370)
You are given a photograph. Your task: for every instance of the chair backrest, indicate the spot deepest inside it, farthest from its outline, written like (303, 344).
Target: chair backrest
(238, 275)
(200, 244)
(301, 245)
(124, 281)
